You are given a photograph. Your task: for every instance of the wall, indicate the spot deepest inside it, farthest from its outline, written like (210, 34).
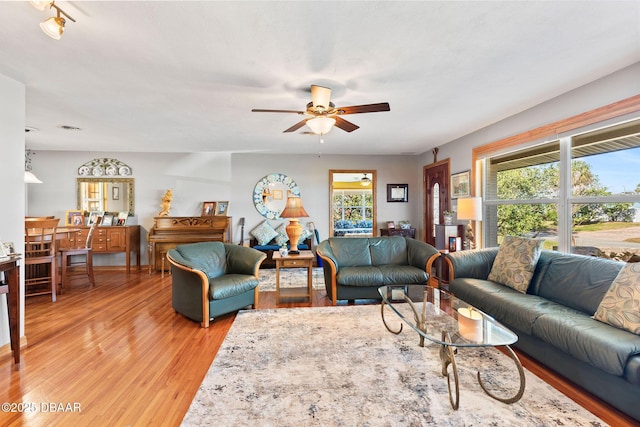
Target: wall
(12, 120)
(614, 87)
(220, 176)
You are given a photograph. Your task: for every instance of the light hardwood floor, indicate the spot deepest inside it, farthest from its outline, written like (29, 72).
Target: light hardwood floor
(120, 355)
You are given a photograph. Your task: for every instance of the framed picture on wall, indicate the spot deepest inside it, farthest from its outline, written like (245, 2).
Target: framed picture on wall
(398, 193)
(115, 193)
(222, 208)
(460, 183)
(208, 208)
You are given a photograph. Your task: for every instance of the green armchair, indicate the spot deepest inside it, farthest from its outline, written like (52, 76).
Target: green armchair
(213, 278)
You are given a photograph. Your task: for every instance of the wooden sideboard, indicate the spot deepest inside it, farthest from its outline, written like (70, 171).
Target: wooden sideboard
(114, 239)
(171, 231)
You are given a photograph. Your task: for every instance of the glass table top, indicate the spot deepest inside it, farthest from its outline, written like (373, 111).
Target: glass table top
(431, 311)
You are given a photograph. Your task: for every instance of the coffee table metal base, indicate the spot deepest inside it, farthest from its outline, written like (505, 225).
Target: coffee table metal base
(447, 357)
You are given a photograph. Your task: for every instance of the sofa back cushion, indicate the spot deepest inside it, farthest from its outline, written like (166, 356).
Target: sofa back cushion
(210, 257)
(350, 252)
(388, 250)
(576, 281)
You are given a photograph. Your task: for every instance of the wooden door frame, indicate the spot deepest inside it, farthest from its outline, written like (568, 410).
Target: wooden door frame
(425, 206)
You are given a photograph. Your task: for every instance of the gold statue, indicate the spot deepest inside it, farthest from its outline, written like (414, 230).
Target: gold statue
(166, 203)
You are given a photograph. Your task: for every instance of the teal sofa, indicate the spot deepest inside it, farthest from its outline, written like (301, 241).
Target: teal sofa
(553, 319)
(355, 267)
(213, 278)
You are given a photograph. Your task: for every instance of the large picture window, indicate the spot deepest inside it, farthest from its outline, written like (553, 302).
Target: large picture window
(580, 192)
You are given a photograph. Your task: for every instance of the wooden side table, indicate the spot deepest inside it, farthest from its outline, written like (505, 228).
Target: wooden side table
(302, 260)
(11, 287)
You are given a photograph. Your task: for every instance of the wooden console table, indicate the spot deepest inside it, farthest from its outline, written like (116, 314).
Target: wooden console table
(112, 239)
(11, 287)
(404, 232)
(170, 231)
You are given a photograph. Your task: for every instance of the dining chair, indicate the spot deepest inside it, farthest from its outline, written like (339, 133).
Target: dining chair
(40, 257)
(71, 258)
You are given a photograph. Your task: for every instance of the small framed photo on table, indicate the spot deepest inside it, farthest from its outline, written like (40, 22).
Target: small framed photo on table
(398, 193)
(222, 208)
(74, 218)
(208, 208)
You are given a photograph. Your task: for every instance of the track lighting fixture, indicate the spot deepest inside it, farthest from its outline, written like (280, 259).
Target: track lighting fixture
(54, 26)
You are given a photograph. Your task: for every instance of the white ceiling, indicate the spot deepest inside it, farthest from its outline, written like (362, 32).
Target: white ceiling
(178, 76)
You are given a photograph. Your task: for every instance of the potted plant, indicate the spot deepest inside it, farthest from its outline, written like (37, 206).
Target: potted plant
(448, 217)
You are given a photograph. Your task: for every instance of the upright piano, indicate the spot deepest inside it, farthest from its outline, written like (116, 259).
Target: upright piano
(170, 231)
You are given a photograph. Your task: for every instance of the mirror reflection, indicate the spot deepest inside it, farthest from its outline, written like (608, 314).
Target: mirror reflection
(353, 203)
(105, 194)
(271, 192)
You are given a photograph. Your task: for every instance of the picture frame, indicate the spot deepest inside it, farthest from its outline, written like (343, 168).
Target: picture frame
(74, 217)
(277, 194)
(3, 251)
(115, 193)
(222, 208)
(107, 220)
(121, 220)
(208, 208)
(93, 216)
(9, 248)
(398, 193)
(391, 225)
(460, 184)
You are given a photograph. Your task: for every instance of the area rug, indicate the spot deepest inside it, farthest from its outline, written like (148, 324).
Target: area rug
(289, 278)
(339, 366)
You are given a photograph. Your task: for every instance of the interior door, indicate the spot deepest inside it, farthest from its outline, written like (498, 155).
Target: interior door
(436, 178)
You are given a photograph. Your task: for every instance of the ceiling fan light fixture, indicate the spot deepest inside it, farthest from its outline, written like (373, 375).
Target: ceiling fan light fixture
(320, 97)
(321, 125)
(365, 181)
(40, 5)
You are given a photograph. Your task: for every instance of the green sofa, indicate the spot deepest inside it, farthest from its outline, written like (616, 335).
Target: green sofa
(355, 267)
(213, 278)
(553, 319)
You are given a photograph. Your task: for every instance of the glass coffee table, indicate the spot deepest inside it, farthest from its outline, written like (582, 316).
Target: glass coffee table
(440, 317)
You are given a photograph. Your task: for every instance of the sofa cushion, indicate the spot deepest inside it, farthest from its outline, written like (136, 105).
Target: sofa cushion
(230, 285)
(360, 276)
(351, 252)
(620, 306)
(306, 233)
(210, 257)
(264, 233)
(388, 250)
(589, 340)
(402, 275)
(576, 281)
(516, 261)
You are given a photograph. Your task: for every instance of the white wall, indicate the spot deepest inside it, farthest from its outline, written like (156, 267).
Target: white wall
(195, 178)
(12, 122)
(612, 88)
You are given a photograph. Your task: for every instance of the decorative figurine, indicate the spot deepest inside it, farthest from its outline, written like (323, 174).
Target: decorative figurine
(166, 203)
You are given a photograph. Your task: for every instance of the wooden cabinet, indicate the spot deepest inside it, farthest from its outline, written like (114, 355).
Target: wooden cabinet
(108, 240)
(404, 232)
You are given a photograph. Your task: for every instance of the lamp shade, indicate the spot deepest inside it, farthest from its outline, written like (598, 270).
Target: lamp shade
(470, 208)
(294, 208)
(321, 125)
(30, 178)
(53, 27)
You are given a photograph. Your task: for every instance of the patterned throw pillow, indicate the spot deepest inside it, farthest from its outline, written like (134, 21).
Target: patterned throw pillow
(264, 233)
(304, 236)
(282, 237)
(620, 306)
(516, 261)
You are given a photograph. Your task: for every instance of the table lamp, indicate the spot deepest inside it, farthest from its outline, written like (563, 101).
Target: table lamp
(469, 208)
(294, 210)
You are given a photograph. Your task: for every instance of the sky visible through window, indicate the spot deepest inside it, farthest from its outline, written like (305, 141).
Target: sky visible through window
(619, 171)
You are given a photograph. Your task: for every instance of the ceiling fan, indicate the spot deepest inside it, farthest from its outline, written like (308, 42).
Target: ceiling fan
(323, 114)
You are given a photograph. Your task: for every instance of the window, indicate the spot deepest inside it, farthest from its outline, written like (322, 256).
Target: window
(580, 192)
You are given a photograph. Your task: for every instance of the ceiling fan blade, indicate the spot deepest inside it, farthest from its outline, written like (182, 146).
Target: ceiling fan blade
(296, 126)
(320, 97)
(260, 110)
(345, 125)
(369, 108)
